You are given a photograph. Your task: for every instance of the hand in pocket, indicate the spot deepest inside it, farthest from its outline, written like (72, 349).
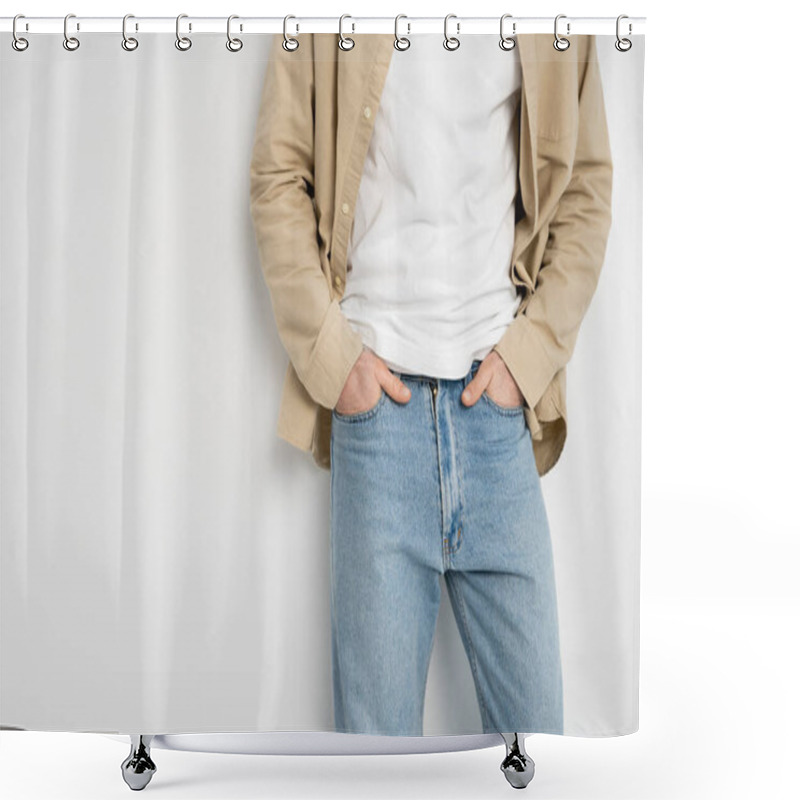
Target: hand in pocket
(493, 372)
(362, 389)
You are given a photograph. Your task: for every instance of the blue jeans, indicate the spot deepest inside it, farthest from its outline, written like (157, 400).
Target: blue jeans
(426, 488)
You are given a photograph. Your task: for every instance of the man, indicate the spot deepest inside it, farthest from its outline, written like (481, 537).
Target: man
(431, 227)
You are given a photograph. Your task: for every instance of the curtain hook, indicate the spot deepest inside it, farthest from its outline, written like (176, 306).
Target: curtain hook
(129, 43)
(18, 42)
(401, 42)
(345, 42)
(451, 42)
(182, 42)
(70, 42)
(290, 43)
(560, 42)
(507, 42)
(234, 45)
(623, 45)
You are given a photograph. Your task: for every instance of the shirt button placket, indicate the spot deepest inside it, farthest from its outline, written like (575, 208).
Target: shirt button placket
(345, 207)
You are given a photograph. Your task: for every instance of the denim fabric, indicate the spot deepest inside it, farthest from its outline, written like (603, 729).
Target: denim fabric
(427, 488)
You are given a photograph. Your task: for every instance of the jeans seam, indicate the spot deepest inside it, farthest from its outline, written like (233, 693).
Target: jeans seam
(460, 479)
(438, 466)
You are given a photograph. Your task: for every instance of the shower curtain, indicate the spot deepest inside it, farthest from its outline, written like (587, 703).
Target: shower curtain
(219, 269)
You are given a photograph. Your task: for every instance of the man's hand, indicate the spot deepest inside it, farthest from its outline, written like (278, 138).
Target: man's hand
(493, 372)
(365, 380)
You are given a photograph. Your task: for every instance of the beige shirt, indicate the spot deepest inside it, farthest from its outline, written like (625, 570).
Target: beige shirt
(313, 132)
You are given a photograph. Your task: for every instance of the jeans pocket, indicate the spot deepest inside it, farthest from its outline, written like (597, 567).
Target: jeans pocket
(361, 416)
(509, 411)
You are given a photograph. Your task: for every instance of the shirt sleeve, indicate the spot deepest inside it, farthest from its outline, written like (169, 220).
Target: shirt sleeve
(541, 339)
(320, 342)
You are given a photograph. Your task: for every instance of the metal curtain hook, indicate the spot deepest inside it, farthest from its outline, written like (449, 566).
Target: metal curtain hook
(345, 42)
(70, 42)
(623, 45)
(18, 42)
(129, 43)
(560, 42)
(401, 42)
(507, 42)
(182, 42)
(451, 42)
(234, 45)
(290, 43)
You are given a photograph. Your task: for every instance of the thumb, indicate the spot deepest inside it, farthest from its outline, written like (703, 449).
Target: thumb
(474, 389)
(394, 387)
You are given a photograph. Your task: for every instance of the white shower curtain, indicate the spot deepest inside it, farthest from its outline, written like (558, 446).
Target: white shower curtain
(165, 563)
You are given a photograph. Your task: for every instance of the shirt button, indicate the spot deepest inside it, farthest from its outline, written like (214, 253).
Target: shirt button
(345, 208)
(337, 280)
(367, 112)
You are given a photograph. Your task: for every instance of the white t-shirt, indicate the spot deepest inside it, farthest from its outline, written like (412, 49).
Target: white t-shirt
(429, 263)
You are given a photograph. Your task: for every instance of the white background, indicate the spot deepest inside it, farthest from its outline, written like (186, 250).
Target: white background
(719, 622)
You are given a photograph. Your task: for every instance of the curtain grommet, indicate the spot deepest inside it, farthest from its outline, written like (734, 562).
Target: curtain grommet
(623, 44)
(233, 44)
(560, 42)
(451, 42)
(183, 43)
(19, 43)
(346, 42)
(507, 42)
(70, 43)
(290, 43)
(129, 43)
(401, 42)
